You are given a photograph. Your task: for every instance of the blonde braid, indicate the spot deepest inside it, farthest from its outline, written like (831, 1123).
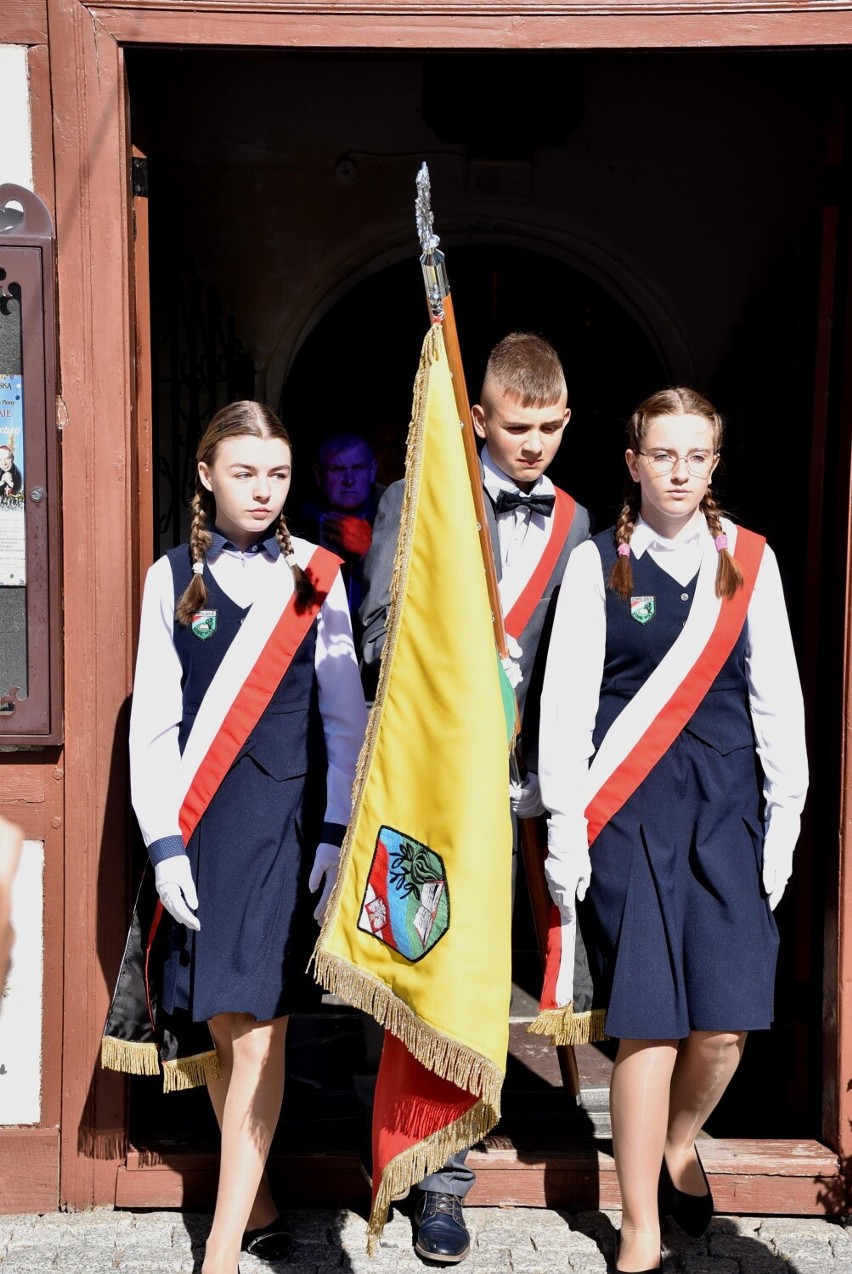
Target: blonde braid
(729, 577)
(621, 576)
(304, 589)
(200, 538)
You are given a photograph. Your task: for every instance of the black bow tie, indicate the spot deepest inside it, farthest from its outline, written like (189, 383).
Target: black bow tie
(509, 500)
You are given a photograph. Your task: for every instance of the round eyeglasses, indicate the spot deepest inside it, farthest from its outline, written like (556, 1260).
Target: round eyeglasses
(699, 463)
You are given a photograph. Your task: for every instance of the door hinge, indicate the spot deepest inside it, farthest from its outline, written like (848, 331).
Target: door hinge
(139, 174)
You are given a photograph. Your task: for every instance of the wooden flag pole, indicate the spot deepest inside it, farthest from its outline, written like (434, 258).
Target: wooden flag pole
(441, 311)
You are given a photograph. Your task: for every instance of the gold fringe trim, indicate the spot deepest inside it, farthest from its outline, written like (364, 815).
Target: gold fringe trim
(190, 1072)
(432, 350)
(129, 1056)
(446, 1057)
(564, 1026)
(425, 1157)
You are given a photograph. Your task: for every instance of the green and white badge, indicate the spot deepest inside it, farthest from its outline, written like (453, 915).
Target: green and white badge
(204, 623)
(643, 609)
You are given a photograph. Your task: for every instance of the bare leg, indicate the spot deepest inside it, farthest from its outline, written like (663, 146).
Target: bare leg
(263, 1209)
(706, 1062)
(249, 1117)
(639, 1105)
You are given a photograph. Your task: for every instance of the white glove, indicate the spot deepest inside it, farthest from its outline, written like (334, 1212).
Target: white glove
(511, 664)
(778, 860)
(173, 879)
(324, 873)
(567, 868)
(525, 797)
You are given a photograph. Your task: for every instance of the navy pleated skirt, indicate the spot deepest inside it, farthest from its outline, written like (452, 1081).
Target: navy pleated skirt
(678, 929)
(257, 927)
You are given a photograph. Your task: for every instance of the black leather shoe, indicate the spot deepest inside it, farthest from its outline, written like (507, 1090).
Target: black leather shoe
(272, 1242)
(440, 1232)
(693, 1212)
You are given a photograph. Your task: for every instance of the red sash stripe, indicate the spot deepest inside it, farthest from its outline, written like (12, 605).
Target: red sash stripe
(669, 722)
(256, 692)
(563, 517)
(663, 731)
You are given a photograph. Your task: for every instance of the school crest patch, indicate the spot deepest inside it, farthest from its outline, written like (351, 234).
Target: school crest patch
(406, 903)
(204, 623)
(642, 609)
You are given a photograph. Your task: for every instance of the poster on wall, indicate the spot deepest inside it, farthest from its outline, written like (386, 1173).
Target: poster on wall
(13, 545)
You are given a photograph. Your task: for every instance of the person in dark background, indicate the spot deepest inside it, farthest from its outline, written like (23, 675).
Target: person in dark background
(342, 519)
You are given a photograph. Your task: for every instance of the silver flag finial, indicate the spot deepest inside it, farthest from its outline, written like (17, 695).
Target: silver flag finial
(423, 212)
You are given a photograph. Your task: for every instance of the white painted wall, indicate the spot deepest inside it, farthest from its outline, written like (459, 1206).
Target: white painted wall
(21, 1006)
(16, 153)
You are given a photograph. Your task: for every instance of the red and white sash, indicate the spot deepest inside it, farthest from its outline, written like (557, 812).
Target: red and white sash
(245, 682)
(646, 728)
(520, 612)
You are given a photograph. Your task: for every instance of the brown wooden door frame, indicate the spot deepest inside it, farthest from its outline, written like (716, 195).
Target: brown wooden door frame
(101, 459)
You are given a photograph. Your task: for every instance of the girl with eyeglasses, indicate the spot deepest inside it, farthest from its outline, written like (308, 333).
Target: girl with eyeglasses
(672, 761)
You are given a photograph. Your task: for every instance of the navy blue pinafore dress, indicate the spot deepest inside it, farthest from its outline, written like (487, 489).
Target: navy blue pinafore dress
(252, 851)
(678, 928)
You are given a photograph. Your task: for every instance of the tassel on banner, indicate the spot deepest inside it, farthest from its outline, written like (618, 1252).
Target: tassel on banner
(190, 1072)
(564, 1026)
(129, 1056)
(452, 1061)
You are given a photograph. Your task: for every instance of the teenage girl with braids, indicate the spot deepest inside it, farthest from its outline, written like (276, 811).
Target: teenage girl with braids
(671, 669)
(246, 668)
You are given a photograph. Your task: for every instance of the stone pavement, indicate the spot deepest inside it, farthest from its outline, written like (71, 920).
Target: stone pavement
(505, 1241)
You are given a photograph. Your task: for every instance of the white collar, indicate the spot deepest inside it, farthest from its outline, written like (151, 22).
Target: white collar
(645, 537)
(495, 480)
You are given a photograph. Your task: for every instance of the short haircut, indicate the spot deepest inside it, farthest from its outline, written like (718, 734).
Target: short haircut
(341, 442)
(528, 367)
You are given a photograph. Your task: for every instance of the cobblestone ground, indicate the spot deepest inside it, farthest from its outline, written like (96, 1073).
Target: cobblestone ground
(505, 1241)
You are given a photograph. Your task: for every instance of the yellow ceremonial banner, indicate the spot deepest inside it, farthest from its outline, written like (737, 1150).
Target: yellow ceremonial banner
(418, 929)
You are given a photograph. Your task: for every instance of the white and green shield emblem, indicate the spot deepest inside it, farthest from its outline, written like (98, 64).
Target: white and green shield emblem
(642, 609)
(204, 623)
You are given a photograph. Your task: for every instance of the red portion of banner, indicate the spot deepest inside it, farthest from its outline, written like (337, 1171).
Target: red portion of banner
(411, 1103)
(256, 692)
(563, 518)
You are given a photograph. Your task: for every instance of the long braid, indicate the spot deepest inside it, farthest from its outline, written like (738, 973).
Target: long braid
(200, 538)
(621, 576)
(304, 589)
(729, 577)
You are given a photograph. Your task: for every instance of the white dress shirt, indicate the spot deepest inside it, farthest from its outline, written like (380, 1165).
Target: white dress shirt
(574, 671)
(157, 706)
(523, 535)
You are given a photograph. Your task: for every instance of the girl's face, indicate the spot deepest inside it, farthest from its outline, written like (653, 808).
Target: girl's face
(673, 469)
(249, 478)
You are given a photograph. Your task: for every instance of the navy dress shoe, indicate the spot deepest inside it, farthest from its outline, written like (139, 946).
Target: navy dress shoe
(440, 1232)
(272, 1242)
(693, 1212)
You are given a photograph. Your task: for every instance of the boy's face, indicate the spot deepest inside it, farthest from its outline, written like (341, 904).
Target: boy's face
(522, 441)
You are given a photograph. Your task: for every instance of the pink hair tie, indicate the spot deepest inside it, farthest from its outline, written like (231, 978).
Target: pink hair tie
(721, 542)
(624, 550)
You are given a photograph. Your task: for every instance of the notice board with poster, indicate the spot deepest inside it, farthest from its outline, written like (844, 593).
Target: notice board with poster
(30, 621)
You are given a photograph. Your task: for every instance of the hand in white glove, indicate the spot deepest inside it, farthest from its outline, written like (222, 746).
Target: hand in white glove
(324, 873)
(567, 868)
(511, 663)
(173, 879)
(777, 863)
(525, 797)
